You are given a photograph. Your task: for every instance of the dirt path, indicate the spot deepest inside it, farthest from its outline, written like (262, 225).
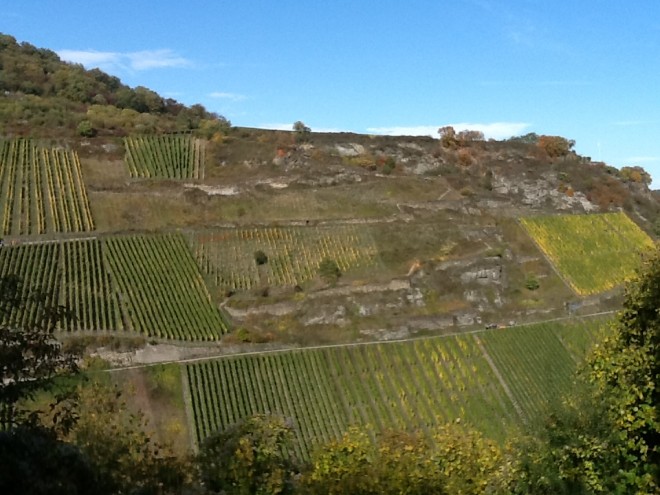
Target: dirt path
(183, 359)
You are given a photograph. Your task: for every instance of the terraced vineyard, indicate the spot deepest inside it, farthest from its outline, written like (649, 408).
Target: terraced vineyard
(72, 273)
(294, 253)
(86, 287)
(41, 190)
(593, 253)
(537, 362)
(165, 157)
(490, 379)
(147, 284)
(36, 266)
(161, 289)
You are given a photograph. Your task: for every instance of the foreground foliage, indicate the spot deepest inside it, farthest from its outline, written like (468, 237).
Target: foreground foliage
(453, 460)
(248, 458)
(606, 436)
(602, 439)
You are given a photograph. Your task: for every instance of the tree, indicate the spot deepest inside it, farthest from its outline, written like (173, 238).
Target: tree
(571, 451)
(117, 442)
(555, 146)
(455, 459)
(30, 356)
(529, 138)
(448, 137)
(249, 458)
(260, 258)
(86, 129)
(34, 462)
(605, 438)
(468, 136)
(625, 372)
(301, 131)
(636, 174)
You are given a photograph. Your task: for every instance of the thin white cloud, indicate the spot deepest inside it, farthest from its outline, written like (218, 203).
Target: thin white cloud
(329, 129)
(279, 126)
(222, 95)
(419, 130)
(156, 59)
(90, 58)
(276, 126)
(494, 130)
(138, 61)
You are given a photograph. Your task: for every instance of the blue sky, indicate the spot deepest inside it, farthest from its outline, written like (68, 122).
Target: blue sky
(588, 70)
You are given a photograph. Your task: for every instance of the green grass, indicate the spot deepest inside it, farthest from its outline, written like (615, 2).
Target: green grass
(404, 385)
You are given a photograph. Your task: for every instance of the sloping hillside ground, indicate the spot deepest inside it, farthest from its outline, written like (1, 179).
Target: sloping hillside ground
(429, 240)
(451, 254)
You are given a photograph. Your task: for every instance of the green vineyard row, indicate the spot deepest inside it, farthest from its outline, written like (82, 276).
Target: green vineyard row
(41, 190)
(146, 284)
(165, 157)
(493, 380)
(593, 253)
(163, 291)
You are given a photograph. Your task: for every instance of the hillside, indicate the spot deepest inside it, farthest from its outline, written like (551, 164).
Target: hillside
(172, 235)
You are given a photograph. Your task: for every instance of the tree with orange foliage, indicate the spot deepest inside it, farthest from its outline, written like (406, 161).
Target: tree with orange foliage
(556, 146)
(448, 137)
(636, 174)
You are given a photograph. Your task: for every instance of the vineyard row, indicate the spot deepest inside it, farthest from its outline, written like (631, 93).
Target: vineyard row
(41, 190)
(492, 380)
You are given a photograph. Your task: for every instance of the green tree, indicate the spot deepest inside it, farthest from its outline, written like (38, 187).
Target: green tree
(625, 371)
(33, 461)
(301, 131)
(571, 451)
(117, 442)
(606, 436)
(249, 458)
(260, 258)
(30, 356)
(454, 460)
(529, 138)
(86, 129)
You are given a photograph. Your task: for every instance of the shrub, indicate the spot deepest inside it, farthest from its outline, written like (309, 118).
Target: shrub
(329, 270)
(260, 257)
(85, 129)
(389, 165)
(532, 283)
